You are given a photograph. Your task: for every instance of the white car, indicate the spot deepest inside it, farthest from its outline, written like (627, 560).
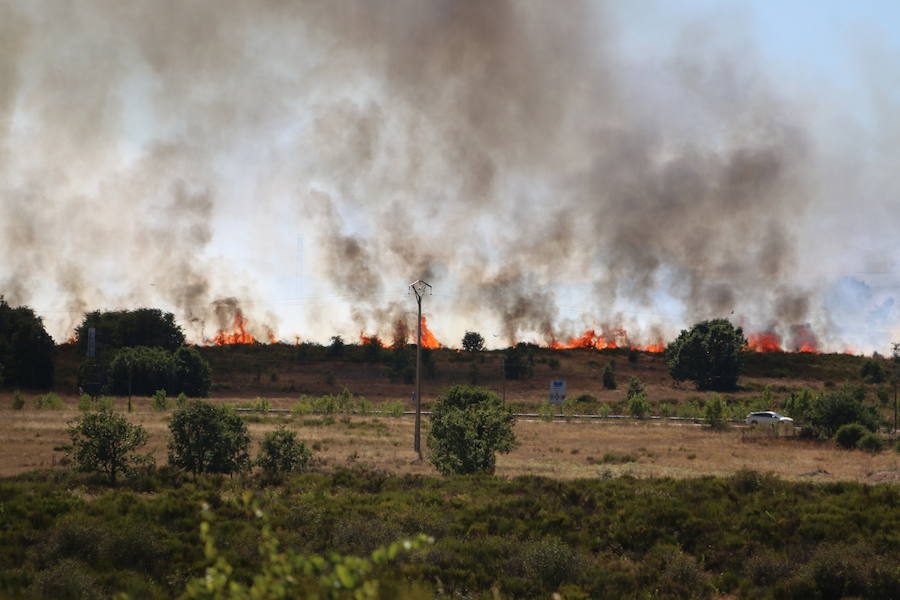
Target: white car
(767, 417)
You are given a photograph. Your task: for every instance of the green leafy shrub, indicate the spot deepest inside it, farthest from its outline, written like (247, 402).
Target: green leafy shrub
(871, 442)
(286, 574)
(609, 376)
(18, 401)
(85, 403)
(393, 408)
(635, 387)
(181, 401)
(262, 404)
(208, 439)
(104, 442)
(638, 406)
(547, 411)
(848, 435)
(839, 407)
(281, 452)
(469, 425)
(49, 401)
(160, 401)
(872, 371)
(714, 412)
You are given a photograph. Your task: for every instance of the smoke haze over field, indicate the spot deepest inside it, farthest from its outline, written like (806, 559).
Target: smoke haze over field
(547, 170)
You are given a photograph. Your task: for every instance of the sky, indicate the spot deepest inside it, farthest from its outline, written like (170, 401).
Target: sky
(630, 168)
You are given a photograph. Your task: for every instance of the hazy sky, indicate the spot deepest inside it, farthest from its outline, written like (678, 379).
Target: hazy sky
(549, 167)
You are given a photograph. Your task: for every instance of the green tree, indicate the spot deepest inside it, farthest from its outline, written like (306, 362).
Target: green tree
(469, 425)
(710, 354)
(799, 405)
(104, 442)
(141, 370)
(192, 373)
(281, 452)
(473, 342)
(127, 328)
(336, 348)
(840, 407)
(26, 349)
(208, 439)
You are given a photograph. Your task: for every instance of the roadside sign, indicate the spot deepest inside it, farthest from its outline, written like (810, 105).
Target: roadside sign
(557, 392)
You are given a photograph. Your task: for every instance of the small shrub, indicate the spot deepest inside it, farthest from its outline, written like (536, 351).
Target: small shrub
(547, 411)
(393, 408)
(181, 401)
(714, 412)
(160, 401)
(638, 406)
(872, 371)
(609, 377)
(262, 405)
(105, 442)
(18, 402)
(635, 387)
(49, 401)
(848, 435)
(469, 425)
(883, 393)
(871, 442)
(281, 452)
(208, 439)
(85, 403)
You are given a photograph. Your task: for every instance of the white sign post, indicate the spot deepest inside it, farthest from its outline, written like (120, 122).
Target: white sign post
(557, 392)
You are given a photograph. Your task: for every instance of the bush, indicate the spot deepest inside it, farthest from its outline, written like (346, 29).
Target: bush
(871, 442)
(281, 452)
(848, 435)
(518, 363)
(18, 401)
(709, 354)
(160, 401)
(839, 407)
(609, 376)
(638, 406)
(469, 425)
(49, 401)
(85, 403)
(208, 439)
(104, 442)
(635, 387)
(393, 408)
(473, 342)
(26, 349)
(714, 412)
(872, 371)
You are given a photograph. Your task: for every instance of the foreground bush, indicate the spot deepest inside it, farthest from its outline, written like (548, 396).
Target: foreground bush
(281, 453)
(469, 425)
(750, 535)
(847, 435)
(208, 439)
(104, 442)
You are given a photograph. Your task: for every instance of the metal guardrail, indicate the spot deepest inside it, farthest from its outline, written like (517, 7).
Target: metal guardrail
(517, 415)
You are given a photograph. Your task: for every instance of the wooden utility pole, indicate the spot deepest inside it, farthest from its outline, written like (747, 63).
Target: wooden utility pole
(419, 288)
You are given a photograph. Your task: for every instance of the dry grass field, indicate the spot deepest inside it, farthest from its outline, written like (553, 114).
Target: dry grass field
(560, 449)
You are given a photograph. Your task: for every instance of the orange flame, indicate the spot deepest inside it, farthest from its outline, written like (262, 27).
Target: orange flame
(428, 339)
(808, 347)
(238, 334)
(616, 338)
(365, 340)
(764, 342)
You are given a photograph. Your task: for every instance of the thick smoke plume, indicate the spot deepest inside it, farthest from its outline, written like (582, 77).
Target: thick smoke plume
(516, 154)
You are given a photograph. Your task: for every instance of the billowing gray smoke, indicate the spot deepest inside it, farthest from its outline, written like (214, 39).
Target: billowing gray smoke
(513, 153)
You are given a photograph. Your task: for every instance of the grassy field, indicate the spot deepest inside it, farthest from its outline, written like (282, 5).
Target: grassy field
(560, 449)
